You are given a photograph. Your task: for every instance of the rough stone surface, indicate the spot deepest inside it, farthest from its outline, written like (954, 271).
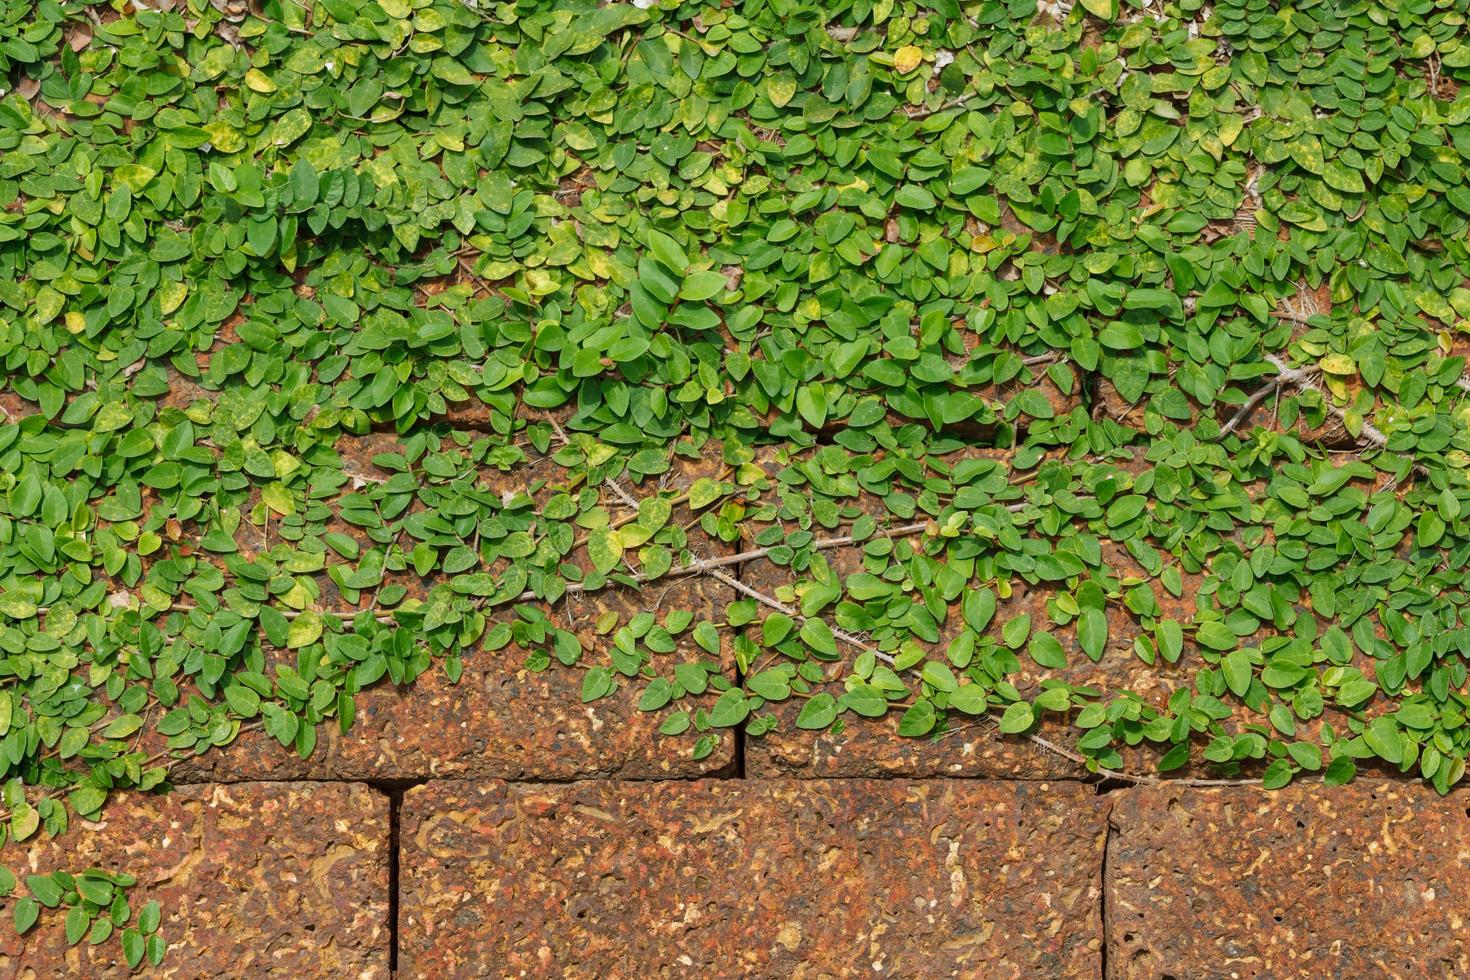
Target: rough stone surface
(774, 878)
(1361, 880)
(255, 879)
(503, 720)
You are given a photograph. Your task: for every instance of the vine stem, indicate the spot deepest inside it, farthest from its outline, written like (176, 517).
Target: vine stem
(1261, 395)
(1303, 380)
(1043, 743)
(958, 103)
(782, 608)
(702, 566)
(1129, 777)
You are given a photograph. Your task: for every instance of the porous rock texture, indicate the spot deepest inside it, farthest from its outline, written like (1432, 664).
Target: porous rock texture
(1361, 880)
(253, 879)
(770, 878)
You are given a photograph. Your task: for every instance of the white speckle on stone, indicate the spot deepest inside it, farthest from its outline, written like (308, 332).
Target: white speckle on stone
(957, 884)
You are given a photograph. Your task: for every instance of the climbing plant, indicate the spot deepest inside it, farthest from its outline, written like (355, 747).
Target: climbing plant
(1094, 369)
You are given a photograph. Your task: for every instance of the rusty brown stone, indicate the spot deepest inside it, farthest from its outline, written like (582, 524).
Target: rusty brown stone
(776, 878)
(1360, 880)
(503, 720)
(280, 879)
(13, 408)
(183, 392)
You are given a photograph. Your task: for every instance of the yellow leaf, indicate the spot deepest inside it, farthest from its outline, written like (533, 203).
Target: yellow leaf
(907, 58)
(1102, 9)
(781, 88)
(284, 463)
(278, 499)
(48, 303)
(224, 137)
(1339, 364)
(305, 629)
(170, 295)
(257, 81)
(1230, 129)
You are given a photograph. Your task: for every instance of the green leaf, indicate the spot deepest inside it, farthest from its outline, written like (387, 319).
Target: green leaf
(771, 684)
(1047, 651)
(77, 924)
(133, 947)
(969, 698)
(1015, 631)
(668, 252)
(775, 628)
(818, 635)
(26, 912)
(1340, 771)
(918, 720)
(866, 700)
(938, 676)
(305, 629)
(123, 726)
(730, 709)
(1237, 670)
(1216, 636)
(658, 693)
(1092, 632)
(700, 286)
(1176, 758)
(597, 683)
(1382, 736)
(244, 701)
(818, 712)
(1017, 718)
(150, 918)
(44, 889)
(914, 197)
